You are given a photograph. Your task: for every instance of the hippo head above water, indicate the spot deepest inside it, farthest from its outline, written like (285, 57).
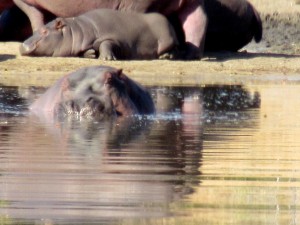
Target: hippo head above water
(98, 92)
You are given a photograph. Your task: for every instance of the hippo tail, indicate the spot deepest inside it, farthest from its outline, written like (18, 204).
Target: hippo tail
(257, 25)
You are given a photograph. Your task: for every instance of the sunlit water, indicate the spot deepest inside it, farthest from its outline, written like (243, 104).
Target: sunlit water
(210, 155)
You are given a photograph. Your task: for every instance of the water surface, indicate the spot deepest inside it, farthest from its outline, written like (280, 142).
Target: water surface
(210, 155)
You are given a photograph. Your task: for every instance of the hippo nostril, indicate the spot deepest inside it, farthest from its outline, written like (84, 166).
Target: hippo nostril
(92, 103)
(74, 107)
(89, 100)
(27, 48)
(95, 104)
(101, 107)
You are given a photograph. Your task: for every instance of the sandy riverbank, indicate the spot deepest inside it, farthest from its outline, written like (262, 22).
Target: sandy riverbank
(278, 53)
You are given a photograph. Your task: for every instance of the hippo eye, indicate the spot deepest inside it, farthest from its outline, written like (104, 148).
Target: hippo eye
(43, 31)
(109, 81)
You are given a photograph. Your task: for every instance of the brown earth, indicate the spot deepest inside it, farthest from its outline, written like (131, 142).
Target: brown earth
(277, 54)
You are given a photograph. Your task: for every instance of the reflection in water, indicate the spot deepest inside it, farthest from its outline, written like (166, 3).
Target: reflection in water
(10, 101)
(211, 155)
(83, 170)
(87, 171)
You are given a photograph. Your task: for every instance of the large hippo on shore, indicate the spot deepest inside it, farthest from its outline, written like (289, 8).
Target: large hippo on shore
(97, 92)
(231, 24)
(105, 33)
(189, 12)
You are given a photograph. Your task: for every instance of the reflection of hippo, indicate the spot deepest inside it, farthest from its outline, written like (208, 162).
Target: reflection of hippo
(189, 12)
(97, 172)
(230, 98)
(98, 92)
(232, 24)
(115, 35)
(128, 168)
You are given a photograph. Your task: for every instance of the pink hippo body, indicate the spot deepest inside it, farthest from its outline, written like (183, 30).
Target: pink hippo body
(189, 12)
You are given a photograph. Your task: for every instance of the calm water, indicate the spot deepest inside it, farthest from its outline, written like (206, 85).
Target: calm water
(211, 155)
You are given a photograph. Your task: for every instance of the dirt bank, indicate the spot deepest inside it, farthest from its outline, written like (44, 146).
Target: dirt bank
(281, 24)
(277, 54)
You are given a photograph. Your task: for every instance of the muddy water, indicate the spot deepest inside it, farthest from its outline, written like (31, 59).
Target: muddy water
(211, 155)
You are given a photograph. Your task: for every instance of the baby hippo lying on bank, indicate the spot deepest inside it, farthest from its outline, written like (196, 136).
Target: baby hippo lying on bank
(103, 33)
(97, 92)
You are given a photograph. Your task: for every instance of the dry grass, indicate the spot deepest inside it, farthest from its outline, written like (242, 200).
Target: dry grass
(280, 6)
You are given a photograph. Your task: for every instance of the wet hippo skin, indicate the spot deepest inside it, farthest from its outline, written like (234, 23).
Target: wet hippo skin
(105, 33)
(97, 92)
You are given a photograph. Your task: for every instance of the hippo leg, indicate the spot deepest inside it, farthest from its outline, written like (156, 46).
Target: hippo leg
(172, 54)
(36, 17)
(91, 54)
(106, 50)
(194, 23)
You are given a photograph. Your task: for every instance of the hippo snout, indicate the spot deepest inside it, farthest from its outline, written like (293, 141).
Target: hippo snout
(26, 49)
(92, 107)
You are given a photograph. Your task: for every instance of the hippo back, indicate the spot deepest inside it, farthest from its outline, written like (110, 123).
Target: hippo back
(232, 24)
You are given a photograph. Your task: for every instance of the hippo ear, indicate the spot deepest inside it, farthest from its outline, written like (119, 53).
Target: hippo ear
(109, 76)
(59, 23)
(119, 73)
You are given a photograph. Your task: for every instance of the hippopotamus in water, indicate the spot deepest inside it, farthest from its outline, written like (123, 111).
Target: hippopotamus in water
(231, 25)
(97, 92)
(189, 12)
(108, 33)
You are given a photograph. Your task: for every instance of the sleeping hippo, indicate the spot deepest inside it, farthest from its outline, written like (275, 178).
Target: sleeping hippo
(105, 33)
(97, 92)
(189, 12)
